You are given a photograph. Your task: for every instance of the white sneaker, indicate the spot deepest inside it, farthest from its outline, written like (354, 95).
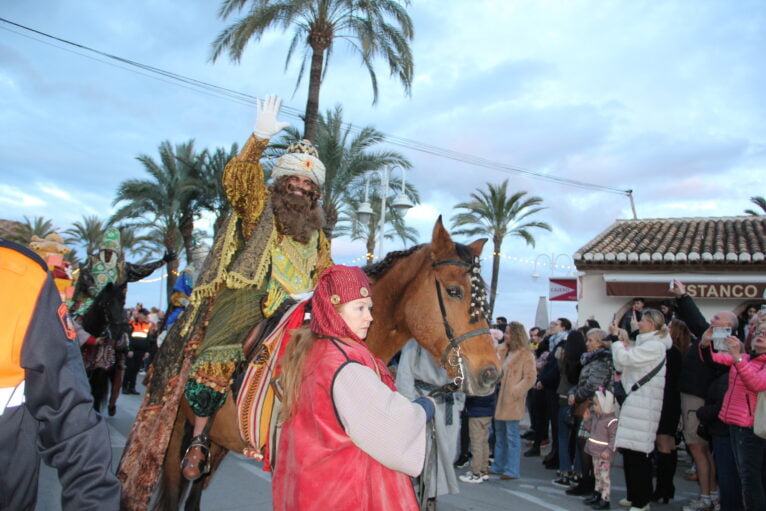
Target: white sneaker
(470, 477)
(625, 502)
(699, 505)
(645, 508)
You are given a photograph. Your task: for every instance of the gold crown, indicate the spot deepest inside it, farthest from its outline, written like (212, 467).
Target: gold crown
(303, 147)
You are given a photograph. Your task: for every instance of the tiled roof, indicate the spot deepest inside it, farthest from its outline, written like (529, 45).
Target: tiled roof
(739, 240)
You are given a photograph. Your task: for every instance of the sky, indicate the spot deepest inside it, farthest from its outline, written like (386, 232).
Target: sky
(667, 99)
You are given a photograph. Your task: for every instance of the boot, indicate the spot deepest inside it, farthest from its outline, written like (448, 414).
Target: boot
(601, 504)
(666, 470)
(586, 485)
(592, 499)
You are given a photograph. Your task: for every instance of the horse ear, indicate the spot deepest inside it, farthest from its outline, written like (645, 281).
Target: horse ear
(477, 246)
(441, 242)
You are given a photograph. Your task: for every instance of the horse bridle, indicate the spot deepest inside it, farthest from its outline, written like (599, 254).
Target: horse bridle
(451, 355)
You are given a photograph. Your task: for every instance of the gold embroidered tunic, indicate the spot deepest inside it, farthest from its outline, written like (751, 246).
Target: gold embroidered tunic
(252, 271)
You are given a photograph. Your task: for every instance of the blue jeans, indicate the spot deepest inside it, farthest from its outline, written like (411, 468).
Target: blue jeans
(726, 471)
(750, 456)
(565, 435)
(507, 448)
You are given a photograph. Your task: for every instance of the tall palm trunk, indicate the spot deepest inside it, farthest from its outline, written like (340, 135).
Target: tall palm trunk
(370, 248)
(172, 266)
(330, 219)
(496, 245)
(187, 231)
(319, 41)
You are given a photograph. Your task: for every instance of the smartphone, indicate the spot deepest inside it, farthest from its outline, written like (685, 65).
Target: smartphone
(720, 333)
(672, 284)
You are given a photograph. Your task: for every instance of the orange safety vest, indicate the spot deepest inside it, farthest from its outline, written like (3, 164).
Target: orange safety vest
(21, 279)
(140, 329)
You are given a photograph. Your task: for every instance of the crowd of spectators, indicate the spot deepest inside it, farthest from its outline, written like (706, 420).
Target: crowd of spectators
(654, 380)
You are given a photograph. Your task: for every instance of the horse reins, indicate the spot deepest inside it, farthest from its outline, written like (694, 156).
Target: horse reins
(477, 309)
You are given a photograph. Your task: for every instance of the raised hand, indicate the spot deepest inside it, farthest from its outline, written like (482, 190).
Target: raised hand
(266, 123)
(679, 289)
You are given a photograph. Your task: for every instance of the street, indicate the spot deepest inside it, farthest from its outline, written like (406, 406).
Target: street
(241, 485)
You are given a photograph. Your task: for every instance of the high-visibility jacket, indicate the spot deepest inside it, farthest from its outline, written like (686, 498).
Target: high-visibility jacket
(46, 410)
(139, 338)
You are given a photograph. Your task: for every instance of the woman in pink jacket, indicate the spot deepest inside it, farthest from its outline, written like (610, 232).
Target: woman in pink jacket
(747, 377)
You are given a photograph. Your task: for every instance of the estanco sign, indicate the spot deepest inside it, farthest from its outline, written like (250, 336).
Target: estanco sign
(735, 290)
(563, 290)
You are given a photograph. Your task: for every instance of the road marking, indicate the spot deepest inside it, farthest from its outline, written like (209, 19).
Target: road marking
(535, 500)
(117, 438)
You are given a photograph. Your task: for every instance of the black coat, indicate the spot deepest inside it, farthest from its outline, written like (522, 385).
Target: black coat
(708, 413)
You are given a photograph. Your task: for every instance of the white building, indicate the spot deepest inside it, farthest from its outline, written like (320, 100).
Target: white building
(721, 261)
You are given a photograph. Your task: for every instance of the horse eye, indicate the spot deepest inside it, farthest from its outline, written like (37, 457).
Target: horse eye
(455, 292)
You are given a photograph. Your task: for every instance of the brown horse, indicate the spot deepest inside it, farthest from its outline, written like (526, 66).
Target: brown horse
(423, 293)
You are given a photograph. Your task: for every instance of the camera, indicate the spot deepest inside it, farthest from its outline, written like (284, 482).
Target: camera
(720, 333)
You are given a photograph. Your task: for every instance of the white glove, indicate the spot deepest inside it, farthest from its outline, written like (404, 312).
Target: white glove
(266, 123)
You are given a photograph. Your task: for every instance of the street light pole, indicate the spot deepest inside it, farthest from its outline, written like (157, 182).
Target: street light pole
(383, 195)
(401, 203)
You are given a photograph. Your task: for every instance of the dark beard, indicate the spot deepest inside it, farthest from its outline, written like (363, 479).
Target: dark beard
(297, 216)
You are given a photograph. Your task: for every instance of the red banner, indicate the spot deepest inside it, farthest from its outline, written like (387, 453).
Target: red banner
(563, 290)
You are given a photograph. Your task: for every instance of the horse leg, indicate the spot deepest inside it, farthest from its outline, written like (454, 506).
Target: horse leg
(98, 386)
(117, 371)
(224, 437)
(172, 484)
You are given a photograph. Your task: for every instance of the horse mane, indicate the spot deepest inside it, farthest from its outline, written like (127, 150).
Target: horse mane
(377, 270)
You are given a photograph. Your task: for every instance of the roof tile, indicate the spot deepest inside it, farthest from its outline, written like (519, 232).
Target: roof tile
(730, 240)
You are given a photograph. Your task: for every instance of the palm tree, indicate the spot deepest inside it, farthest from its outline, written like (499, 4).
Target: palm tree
(88, 232)
(371, 29)
(211, 173)
(139, 246)
(350, 226)
(760, 202)
(347, 155)
(22, 232)
(171, 198)
(496, 214)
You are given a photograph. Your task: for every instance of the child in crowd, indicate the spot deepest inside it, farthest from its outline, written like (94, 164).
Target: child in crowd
(480, 410)
(600, 445)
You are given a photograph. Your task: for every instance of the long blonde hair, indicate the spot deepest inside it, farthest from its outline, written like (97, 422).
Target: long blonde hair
(291, 365)
(290, 378)
(517, 336)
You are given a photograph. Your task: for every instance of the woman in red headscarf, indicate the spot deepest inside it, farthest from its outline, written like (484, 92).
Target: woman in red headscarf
(348, 440)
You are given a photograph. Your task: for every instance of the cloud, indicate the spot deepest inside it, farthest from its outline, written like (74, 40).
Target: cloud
(662, 98)
(16, 197)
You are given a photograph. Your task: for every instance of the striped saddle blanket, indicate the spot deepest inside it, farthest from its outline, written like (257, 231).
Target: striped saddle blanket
(257, 401)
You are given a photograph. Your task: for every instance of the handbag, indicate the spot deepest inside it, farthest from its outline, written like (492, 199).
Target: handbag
(759, 419)
(620, 394)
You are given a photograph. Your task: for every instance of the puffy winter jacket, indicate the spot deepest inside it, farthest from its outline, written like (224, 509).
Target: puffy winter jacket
(596, 372)
(640, 413)
(746, 380)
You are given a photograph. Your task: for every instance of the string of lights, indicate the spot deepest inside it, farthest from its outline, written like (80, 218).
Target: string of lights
(247, 99)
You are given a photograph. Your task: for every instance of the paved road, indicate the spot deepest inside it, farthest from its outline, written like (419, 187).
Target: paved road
(241, 485)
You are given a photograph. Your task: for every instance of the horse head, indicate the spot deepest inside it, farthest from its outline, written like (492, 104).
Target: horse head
(106, 316)
(434, 293)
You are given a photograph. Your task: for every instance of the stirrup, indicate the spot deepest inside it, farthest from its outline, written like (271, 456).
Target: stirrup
(203, 465)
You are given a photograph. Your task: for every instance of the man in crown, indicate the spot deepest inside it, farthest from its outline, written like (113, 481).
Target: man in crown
(108, 266)
(270, 249)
